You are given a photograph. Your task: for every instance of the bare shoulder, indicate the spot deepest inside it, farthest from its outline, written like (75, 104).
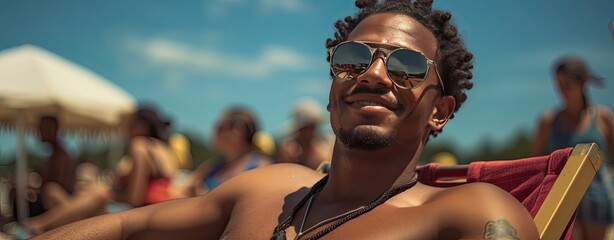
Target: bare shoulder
(547, 116)
(485, 211)
(605, 120)
(604, 113)
(478, 194)
(285, 170)
(273, 177)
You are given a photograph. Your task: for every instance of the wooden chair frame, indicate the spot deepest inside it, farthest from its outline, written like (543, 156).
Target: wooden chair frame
(554, 218)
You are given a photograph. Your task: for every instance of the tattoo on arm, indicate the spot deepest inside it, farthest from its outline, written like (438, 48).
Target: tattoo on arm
(499, 229)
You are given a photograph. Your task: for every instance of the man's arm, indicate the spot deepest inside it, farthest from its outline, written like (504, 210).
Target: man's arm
(499, 229)
(505, 217)
(202, 217)
(484, 211)
(101, 227)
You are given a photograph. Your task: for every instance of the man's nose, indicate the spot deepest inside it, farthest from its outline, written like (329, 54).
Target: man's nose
(376, 76)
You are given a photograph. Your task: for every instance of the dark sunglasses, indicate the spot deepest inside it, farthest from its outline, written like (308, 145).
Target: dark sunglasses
(405, 67)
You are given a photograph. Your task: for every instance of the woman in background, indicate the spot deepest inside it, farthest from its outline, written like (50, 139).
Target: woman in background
(234, 140)
(577, 121)
(150, 164)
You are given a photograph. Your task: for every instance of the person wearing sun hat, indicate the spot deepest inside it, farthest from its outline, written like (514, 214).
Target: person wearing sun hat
(577, 120)
(303, 143)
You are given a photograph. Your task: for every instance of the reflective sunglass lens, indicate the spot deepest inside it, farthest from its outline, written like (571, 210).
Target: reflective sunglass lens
(407, 68)
(350, 60)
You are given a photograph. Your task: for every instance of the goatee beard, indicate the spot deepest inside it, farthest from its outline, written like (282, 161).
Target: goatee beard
(365, 140)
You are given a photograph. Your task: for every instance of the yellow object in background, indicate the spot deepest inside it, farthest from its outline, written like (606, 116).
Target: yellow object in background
(180, 145)
(445, 159)
(264, 143)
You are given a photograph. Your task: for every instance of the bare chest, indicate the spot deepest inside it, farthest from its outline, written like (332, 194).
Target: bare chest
(383, 222)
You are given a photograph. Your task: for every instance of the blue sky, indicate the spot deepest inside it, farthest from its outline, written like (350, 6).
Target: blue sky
(195, 58)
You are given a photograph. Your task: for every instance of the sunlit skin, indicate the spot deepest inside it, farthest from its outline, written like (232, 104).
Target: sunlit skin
(250, 205)
(398, 106)
(401, 111)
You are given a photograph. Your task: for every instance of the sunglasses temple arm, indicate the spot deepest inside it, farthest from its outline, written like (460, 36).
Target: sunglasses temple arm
(443, 89)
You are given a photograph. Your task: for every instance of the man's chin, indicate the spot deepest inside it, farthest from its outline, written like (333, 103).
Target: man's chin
(366, 137)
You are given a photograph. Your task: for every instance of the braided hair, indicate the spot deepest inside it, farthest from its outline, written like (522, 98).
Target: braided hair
(454, 60)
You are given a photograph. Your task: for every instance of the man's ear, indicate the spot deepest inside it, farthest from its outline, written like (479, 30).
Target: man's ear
(442, 110)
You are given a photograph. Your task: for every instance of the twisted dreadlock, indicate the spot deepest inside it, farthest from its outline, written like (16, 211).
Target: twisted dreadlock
(454, 60)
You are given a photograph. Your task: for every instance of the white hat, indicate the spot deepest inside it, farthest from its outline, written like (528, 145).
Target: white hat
(305, 112)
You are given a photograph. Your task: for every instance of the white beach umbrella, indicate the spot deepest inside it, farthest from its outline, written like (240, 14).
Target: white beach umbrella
(35, 82)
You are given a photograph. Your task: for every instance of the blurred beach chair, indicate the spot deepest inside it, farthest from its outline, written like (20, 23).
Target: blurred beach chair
(550, 186)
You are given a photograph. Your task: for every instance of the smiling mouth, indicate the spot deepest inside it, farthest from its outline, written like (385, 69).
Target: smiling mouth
(368, 103)
(370, 107)
(371, 102)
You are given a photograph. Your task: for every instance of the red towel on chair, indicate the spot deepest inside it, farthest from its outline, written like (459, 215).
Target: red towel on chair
(519, 178)
(529, 180)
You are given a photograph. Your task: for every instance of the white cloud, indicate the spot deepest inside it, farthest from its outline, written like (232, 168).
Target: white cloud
(284, 5)
(167, 54)
(220, 8)
(223, 8)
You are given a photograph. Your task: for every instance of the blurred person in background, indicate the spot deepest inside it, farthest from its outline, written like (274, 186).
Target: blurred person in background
(151, 163)
(234, 136)
(579, 121)
(142, 177)
(57, 171)
(303, 143)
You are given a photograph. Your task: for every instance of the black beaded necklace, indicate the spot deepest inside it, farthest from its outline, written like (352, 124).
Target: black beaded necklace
(279, 233)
